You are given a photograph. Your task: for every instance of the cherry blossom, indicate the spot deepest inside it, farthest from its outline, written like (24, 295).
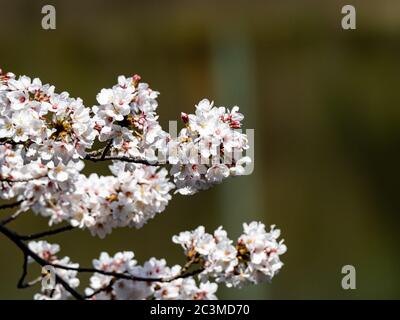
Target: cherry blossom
(47, 139)
(214, 258)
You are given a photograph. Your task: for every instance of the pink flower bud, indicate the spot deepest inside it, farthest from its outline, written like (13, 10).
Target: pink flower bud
(136, 79)
(184, 117)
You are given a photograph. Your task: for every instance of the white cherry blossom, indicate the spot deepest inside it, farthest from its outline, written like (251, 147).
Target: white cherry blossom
(46, 136)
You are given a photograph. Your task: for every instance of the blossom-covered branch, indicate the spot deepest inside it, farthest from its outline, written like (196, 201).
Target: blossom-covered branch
(45, 139)
(213, 258)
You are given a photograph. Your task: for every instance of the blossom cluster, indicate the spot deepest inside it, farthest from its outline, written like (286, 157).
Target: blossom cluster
(56, 127)
(132, 196)
(253, 258)
(129, 197)
(126, 116)
(208, 149)
(45, 136)
(45, 139)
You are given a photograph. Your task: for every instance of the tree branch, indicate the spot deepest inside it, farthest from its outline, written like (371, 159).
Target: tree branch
(106, 149)
(108, 273)
(46, 233)
(25, 249)
(11, 142)
(182, 274)
(121, 158)
(105, 288)
(19, 241)
(11, 218)
(21, 284)
(10, 205)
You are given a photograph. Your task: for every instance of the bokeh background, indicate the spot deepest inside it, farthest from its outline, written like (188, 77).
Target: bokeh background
(324, 104)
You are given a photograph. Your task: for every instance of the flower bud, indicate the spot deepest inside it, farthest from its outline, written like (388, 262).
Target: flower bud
(136, 79)
(184, 117)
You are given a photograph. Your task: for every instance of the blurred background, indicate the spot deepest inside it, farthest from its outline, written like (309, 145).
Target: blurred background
(324, 104)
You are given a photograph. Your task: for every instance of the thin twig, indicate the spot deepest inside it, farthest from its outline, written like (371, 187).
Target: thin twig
(46, 233)
(21, 284)
(184, 271)
(121, 158)
(106, 149)
(11, 218)
(24, 273)
(105, 288)
(108, 273)
(10, 205)
(182, 274)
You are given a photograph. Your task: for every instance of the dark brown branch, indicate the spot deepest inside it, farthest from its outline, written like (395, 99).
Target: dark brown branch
(182, 274)
(107, 273)
(7, 220)
(121, 158)
(21, 284)
(11, 142)
(46, 233)
(10, 205)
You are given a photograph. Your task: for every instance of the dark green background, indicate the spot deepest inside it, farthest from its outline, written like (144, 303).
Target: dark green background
(324, 104)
